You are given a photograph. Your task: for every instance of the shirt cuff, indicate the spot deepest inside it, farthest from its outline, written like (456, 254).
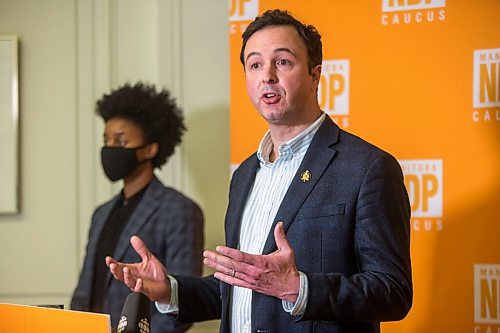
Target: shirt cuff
(299, 307)
(173, 307)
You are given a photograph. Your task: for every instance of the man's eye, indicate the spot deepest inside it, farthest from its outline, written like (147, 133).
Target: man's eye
(254, 65)
(283, 62)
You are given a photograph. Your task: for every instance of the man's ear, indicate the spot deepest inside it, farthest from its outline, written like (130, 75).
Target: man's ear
(316, 73)
(151, 150)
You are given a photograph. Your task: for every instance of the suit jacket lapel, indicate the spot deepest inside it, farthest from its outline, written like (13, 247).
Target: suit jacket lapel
(241, 184)
(238, 199)
(148, 204)
(146, 207)
(316, 160)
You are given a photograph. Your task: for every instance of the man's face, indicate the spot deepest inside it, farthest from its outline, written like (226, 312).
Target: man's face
(277, 76)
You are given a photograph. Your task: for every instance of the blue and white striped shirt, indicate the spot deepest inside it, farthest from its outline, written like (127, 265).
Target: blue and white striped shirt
(269, 189)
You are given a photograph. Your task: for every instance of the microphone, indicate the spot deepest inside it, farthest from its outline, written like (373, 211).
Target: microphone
(136, 314)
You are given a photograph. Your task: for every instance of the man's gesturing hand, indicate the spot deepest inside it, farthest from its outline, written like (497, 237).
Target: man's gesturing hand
(274, 274)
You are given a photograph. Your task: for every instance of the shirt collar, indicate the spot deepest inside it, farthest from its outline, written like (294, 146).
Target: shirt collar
(133, 199)
(296, 145)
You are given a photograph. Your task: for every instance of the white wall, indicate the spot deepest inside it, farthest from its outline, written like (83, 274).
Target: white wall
(71, 52)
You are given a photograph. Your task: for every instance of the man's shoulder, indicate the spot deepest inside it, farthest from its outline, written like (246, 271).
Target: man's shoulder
(350, 149)
(356, 144)
(334, 136)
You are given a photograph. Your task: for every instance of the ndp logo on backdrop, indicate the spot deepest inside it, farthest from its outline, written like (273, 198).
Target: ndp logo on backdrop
(412, 11)
(486, 298)
(333, 90)
(486, 85)
(242, 11)
(424, 183)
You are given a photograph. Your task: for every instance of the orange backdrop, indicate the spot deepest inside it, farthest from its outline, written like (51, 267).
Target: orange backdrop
(420, 79)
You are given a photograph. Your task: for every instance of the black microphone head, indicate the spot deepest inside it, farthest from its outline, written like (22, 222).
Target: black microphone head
(136, 315)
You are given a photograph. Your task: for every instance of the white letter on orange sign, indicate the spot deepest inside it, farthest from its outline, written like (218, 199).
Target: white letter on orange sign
(487, 83)
(489, 299)
(337, 86)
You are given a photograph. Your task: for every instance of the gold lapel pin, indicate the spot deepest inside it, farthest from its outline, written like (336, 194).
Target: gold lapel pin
(305, 176)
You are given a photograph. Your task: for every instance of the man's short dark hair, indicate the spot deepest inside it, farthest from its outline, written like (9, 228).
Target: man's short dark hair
(156, 113)
(277, 17)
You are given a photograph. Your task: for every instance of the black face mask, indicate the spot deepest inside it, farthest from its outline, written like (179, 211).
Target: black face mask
(119, 162)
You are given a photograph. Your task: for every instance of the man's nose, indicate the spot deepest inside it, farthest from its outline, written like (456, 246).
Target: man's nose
(269, 74)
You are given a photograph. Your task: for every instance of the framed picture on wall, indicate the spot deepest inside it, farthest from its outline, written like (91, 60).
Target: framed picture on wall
(9, 126)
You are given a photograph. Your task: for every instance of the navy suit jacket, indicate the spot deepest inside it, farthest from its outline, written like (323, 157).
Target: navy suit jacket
(349, 229)
(172, 227)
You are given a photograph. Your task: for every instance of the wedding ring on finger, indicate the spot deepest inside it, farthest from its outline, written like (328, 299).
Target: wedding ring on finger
(233, 273)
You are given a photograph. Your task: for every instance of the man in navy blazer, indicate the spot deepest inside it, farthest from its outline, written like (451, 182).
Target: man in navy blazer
(142, 127)
(317, 227)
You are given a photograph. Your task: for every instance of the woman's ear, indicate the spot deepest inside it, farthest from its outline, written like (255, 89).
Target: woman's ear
(151, 150)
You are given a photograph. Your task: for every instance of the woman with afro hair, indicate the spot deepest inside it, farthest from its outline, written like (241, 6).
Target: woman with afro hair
(142, 128)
